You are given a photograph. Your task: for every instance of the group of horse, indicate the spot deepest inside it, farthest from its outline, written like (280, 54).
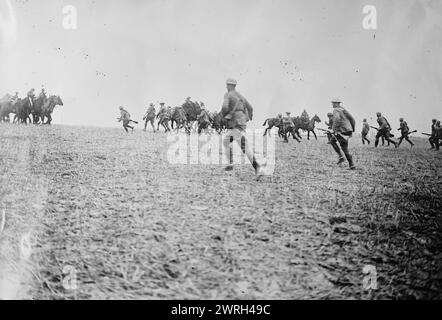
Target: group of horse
(29, 109)
(190, 116)
(291, 126)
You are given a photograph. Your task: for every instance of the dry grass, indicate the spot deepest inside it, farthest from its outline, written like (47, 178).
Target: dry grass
(136, 227)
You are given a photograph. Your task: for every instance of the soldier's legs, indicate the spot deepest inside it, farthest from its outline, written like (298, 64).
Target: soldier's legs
(436, 143)
(407, 138)
(238, 136)
(431, 140)
(378, 136)
(344, 146)
(400, 140)
(334, 144)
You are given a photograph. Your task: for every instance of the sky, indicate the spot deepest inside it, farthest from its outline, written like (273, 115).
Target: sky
(287, 55)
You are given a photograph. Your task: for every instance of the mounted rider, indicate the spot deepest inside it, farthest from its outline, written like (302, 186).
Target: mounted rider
(42, 94)
(31, 96)
(15, 97)
(305, 118)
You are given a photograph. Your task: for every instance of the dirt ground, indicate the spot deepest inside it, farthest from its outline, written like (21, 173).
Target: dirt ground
(93, 213)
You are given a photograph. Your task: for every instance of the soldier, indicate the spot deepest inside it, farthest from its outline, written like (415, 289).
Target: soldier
(365, 130)
(404, 132)
(125, 117)
(342, 128)
(31, 96)
(438, 135)
(287, 126)
(432, 139)
(329, 124)
(305, 119)
(237, 111)
(42, 94)
(384, 130)
(150, 117)
(15, 97)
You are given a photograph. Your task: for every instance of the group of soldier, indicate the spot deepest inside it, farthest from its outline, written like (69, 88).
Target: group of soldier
(237, 111)
(40, 107)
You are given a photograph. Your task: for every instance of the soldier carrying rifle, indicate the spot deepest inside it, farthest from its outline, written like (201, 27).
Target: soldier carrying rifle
(383, 131)
(405, 131)
(342, 128)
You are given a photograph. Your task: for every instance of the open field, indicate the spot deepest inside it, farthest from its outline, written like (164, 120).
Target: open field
(109, 210)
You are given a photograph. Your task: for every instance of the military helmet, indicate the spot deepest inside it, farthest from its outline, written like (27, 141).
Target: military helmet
(434, 120)
(378, 114)
(232, 81)
(401, 119)
(162, 103)
(329, 114)
(365, 120)
(336, 100)
(152, 105)
(121, 108)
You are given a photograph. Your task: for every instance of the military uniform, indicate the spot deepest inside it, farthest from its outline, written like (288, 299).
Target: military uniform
(438, 135)
(125, 117)
(237, 111)
(432, 139)
(343, 126)
(150, 117)
(365, 131)
(404, 132)
(384, 130)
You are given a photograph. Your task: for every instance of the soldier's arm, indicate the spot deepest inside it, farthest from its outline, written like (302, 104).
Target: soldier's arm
(225, 108)
(351, 119)
(249, 108)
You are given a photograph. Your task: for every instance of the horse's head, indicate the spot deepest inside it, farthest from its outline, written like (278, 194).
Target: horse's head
(56, 100)
(316, 118)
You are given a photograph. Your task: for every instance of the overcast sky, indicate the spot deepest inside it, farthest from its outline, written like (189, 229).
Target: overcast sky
(287, 55)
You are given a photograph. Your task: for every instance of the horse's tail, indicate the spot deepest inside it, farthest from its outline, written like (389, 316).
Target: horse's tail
(265, 122)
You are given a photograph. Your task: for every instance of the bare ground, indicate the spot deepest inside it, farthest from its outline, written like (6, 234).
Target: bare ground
(110, 207)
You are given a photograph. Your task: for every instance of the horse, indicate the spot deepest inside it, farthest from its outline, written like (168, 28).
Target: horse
(309, 127)
(218, 122)
(48, 108)
(203, 122)
(179, 117)
(7, 107)
(23, 109)
(37, 111)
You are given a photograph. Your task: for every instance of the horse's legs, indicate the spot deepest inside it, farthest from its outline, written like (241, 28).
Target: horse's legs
(315, 134)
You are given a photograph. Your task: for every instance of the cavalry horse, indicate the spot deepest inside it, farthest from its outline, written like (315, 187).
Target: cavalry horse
(307, 126)
(48, 108)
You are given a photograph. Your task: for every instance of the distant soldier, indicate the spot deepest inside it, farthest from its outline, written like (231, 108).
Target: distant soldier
(237, 111)
(15, 98)
(329, 124)
(125, 117)
(31, 96)
(438, 135)
(384, 130)
(305, 119)
(432, 139)
(150, 117)
(405, 131)
(365, 130)
(343, 128)
(42, 94)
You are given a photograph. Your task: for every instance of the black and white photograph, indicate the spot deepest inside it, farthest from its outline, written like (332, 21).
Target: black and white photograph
(222, 150)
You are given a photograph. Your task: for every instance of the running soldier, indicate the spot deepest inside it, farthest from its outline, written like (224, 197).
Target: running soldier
(342, 128)
(432, 139)
(365, 130)
(384, 130)
(438, 135)
(125, 117)
(237, 111)
(405, 131)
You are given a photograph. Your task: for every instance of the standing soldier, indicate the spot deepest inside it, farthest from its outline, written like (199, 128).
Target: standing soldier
(237, 111)
(404, 132)
(125, 117)
(365, 130)
(432, 139)
(343, 128)
(150, 117)
(384, 130)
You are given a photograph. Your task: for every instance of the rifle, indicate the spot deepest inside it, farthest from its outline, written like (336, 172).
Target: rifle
(427, 134)
(377, 129)
(328, 132)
